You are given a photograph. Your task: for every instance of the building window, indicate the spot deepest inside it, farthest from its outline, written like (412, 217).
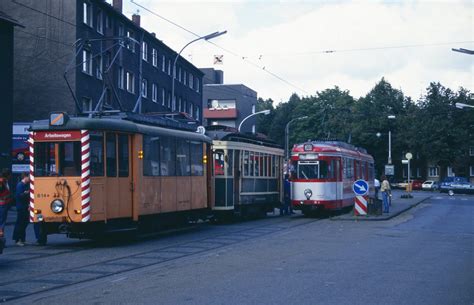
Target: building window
(174, 104)
(163, 63)
(99, 67)
(154, 93)
(100, 22)
(87, 13)
(191, 110)
(197, 85)
(191, 81)
(433, 171)
(130, 82)
(471, 151)
(180, 105)
(86, 104)
(108, 22)
(451, 172)
(179, 74)
(185, 77)
(121, 30)
(169, 66)
(163, 96)
(471, 170)
(169, 100)
(121, 76)
(144, 51)
(87, 62)
(144, 88)
(197, 113)
(130, 42)
(154, 55)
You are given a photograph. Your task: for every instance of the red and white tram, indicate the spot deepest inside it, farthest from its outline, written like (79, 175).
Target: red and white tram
(323, 172)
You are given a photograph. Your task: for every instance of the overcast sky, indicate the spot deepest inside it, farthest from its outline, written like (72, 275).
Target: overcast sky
(288, 38)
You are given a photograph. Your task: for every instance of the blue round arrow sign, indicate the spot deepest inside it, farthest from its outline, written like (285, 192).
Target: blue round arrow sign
(360, 187)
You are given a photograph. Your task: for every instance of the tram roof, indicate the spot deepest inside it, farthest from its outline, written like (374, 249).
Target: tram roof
(129, 123)
(332, 146)
(224, 133)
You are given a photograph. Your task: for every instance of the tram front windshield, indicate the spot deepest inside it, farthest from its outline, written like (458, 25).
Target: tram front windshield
(57, 159)
(312, 170)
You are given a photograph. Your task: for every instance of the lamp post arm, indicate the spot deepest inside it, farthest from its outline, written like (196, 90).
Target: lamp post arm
(174, 67)
(253, 114)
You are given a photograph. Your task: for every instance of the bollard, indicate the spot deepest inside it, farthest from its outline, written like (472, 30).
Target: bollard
(360, 205)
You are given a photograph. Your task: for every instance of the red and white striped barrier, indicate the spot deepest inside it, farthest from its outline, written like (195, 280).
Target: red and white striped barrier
(31, 143)
(85, 176)
(360, 205)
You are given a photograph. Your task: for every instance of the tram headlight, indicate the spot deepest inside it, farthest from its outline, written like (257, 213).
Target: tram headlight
(308, 193)
(57, 206)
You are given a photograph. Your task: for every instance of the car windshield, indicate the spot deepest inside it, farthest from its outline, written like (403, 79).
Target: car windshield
(57, 159)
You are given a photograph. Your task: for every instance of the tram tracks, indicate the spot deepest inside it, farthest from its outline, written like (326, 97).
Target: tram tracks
(49, 281)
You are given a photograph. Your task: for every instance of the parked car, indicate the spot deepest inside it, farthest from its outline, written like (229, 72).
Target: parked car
(457, 188)
(430, 185)
(450, 180)
(416, 184)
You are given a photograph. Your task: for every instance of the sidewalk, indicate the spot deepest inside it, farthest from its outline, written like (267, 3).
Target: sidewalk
(399, 205)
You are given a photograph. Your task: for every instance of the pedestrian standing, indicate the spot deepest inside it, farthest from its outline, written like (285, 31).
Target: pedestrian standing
(286, 196)
(386, 193)
(4, 195)
(7, 197)
(377, 187)
(22, 199)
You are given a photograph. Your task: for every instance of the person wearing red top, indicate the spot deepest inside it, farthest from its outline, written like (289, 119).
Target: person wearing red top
(4, 202)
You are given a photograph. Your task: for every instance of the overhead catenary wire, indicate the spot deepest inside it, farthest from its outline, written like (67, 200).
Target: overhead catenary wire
(243, 58)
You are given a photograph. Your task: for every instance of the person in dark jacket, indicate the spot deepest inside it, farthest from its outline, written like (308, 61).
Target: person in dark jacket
(22, 199)
(286, 196)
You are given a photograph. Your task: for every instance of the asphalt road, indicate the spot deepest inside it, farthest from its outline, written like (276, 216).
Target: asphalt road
(424, 256)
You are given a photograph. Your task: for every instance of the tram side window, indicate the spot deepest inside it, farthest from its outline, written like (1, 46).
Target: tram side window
(218, 162)
(123, 155)
(151, 156)
(111, 154)
(229, 162)
(197, 167)
(246, 162)
(183, 163)
(97, 154)
(257, 164)
(168, 156)
(252, 164)
(371, 171)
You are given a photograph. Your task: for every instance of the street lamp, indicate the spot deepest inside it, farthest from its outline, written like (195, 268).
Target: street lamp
(207, 37)
(265, 112)
(287, 132)
(462, 105)
(390, 117)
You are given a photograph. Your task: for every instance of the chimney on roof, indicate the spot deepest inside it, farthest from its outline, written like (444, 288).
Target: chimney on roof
(118, 4)
(136, 19)
(153, 34)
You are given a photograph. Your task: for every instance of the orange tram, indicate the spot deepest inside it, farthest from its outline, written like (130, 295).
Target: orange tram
(127, 172)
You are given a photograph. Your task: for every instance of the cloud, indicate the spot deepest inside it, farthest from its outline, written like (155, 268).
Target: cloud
(291, 36)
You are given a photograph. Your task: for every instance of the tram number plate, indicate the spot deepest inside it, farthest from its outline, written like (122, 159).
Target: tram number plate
(55, 219)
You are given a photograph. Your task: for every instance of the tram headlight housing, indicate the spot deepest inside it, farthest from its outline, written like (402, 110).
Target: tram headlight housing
(57, 206)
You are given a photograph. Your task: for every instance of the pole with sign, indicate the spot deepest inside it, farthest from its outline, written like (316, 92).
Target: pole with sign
(360, 188)
(409, 156)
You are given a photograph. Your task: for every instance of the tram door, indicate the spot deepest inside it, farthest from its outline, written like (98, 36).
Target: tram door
(119, 176)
